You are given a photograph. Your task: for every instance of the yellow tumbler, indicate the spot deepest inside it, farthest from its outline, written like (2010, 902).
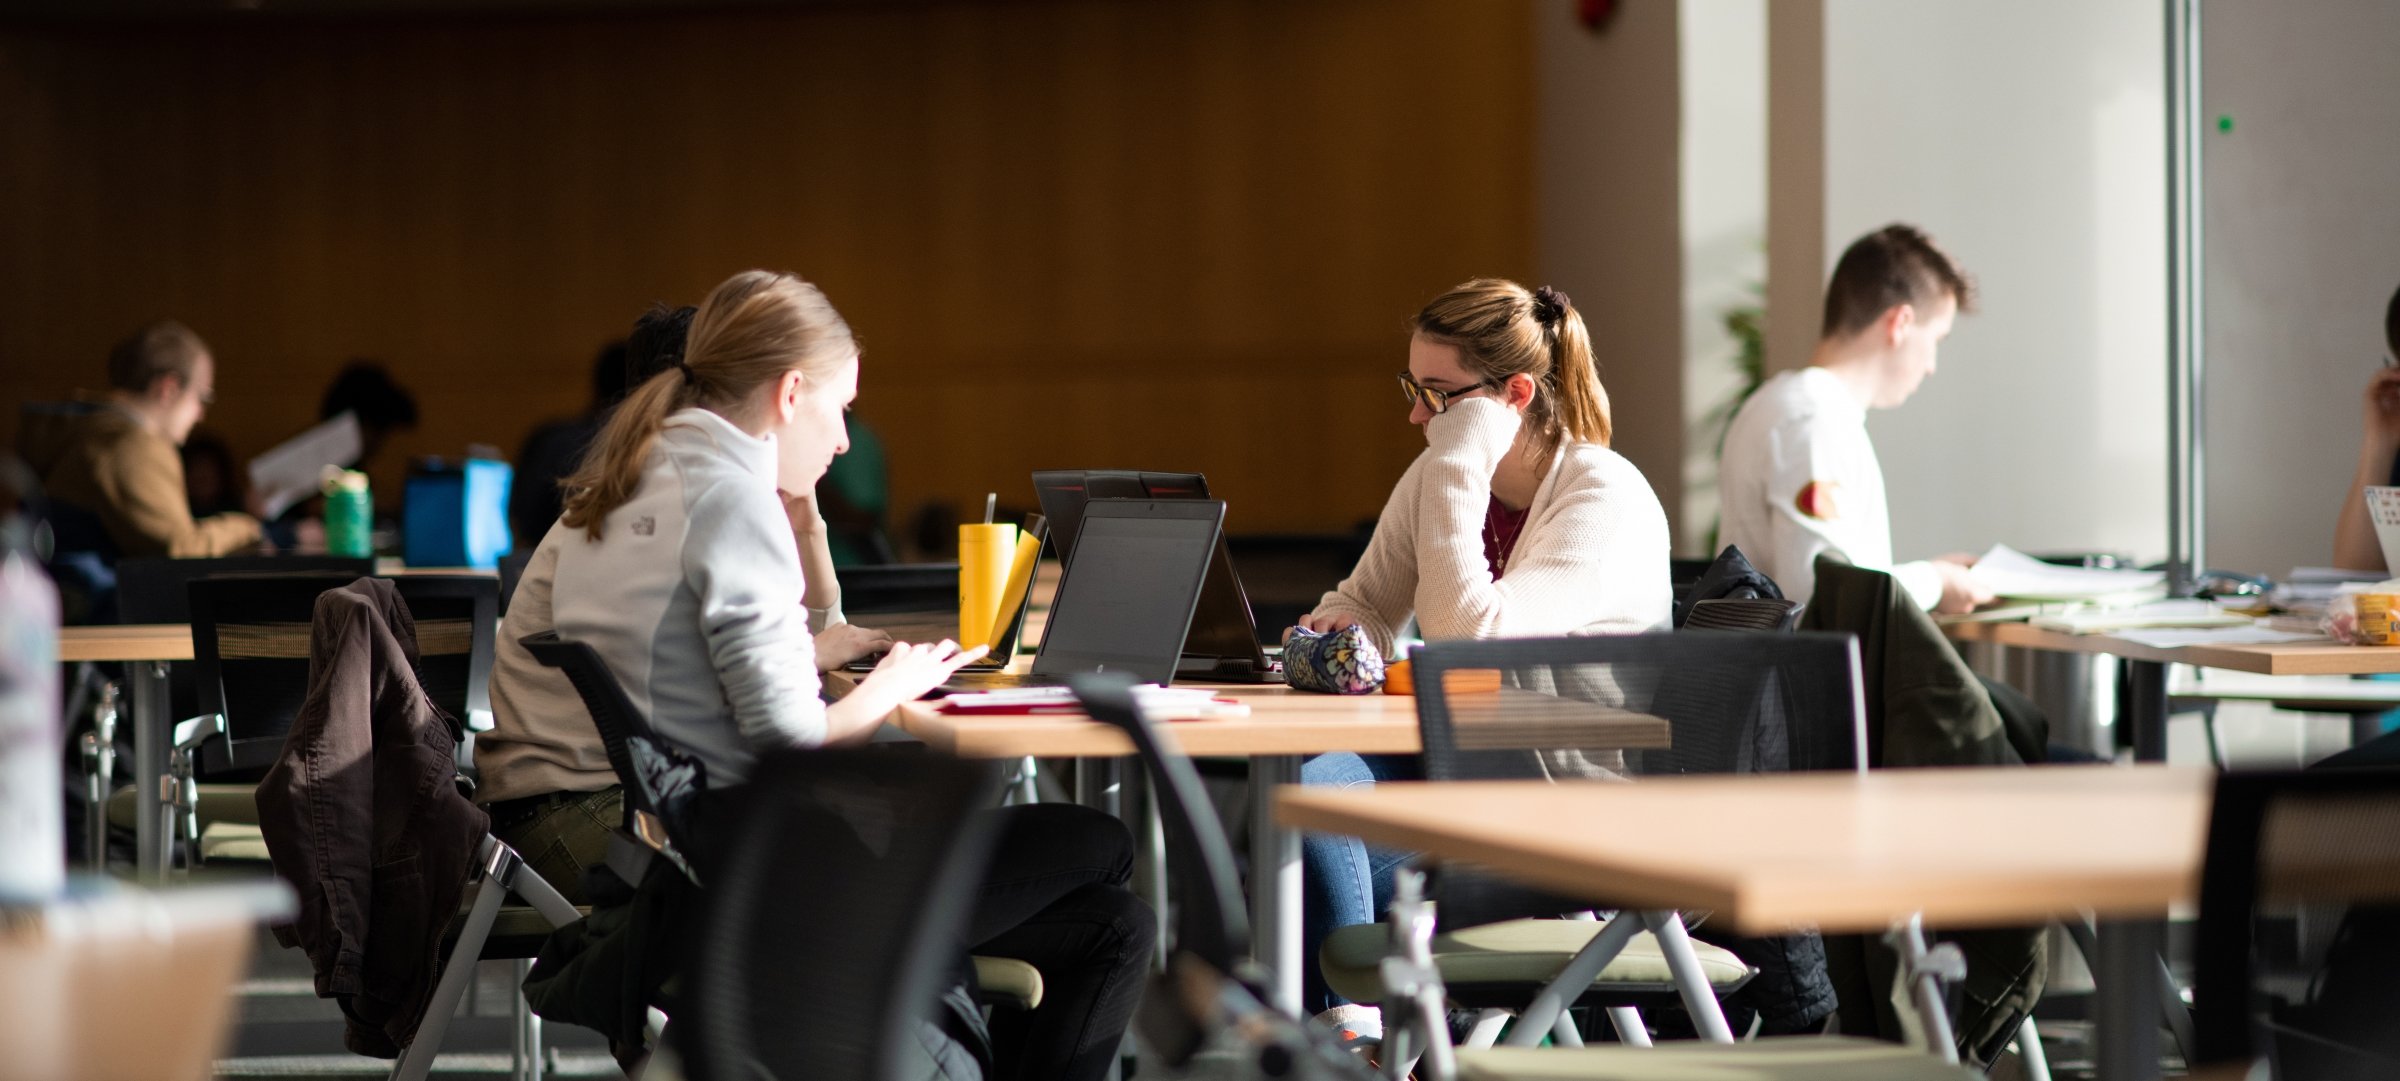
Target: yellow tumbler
(985, 555)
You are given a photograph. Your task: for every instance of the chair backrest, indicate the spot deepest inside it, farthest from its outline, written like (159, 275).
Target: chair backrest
(1733, 702)
(443, 605)
(251, 648)
(2326, 839)
(250, 655)
(899, 587)
(1743, 614)
(150, 589)
(1526, 708)
(512, 571)
(625, 734)
(834, 915)
(1211, 925)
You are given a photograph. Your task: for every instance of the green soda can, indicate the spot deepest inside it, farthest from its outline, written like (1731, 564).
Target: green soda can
(349, 515)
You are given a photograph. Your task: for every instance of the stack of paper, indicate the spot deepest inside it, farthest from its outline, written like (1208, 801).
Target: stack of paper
(2308, 590)
(292, 471)
(2013, 575)
(2177, 613)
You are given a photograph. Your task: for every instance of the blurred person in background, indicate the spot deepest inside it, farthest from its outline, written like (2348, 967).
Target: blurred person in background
(119, 466)
(555, 447)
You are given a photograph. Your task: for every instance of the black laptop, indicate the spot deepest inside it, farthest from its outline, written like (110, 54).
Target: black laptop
(1223, 645)
(1126, 600)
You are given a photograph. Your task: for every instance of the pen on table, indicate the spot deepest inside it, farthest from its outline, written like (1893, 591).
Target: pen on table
(991, 503)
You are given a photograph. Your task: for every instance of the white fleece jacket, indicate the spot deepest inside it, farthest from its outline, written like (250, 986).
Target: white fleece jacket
(693, 598)
(1591, 560)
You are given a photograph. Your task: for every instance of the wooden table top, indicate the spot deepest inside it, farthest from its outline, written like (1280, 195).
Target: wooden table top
(2271, 659)
(129, 642)
(1836, 851)
(1281, 722)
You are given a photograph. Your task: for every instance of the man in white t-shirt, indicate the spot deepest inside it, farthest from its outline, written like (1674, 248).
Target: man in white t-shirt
(1798, 475)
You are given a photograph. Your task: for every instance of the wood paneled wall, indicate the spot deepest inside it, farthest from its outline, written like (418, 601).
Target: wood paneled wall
(1166, 235)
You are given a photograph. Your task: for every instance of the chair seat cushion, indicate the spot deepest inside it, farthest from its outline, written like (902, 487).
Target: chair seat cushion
(224, 842)
(1782, 1058)
(1008, 981)
(1526, 953)
(218, 803)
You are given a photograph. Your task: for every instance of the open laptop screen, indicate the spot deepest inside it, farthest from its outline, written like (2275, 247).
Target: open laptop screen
(1126, 601)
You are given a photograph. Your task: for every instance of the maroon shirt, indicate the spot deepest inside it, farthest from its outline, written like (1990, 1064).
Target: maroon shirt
(1501, 527)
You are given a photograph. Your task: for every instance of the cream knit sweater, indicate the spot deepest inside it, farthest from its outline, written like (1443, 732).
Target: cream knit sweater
(1592, 558)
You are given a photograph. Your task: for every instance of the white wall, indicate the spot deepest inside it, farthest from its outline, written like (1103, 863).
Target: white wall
(1723, 74)
(2028, 138)
(2303, 250)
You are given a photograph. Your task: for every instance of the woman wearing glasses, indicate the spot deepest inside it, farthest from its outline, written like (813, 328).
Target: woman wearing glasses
(1516, 521)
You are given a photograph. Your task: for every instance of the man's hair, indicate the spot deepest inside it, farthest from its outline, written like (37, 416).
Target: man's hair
(1894, 265)
(154, 352)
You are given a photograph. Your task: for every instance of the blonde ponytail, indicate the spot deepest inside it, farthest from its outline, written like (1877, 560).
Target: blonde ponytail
(1579, 404)
(613, 467)
(753, 327)
(1501, 329)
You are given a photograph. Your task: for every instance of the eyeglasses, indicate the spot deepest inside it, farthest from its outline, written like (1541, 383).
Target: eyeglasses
(1435, 399)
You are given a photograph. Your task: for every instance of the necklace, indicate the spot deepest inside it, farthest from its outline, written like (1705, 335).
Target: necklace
(1501, 526)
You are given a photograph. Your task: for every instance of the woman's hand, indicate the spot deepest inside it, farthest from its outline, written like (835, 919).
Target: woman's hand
(904, 675)
(1482, 428)
(907, 671)
(1325, 624)
(843, 643)
(802, 511)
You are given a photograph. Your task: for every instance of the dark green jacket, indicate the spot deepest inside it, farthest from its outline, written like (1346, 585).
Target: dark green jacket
(1925, 708)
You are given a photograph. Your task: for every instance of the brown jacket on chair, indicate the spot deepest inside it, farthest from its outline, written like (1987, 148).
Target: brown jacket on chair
(362, 816)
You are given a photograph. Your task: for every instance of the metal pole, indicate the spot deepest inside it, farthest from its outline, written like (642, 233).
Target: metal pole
(2187, 475)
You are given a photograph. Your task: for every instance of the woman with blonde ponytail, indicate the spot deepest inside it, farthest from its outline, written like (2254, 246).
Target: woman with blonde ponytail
(1517, 520)
(679, 559)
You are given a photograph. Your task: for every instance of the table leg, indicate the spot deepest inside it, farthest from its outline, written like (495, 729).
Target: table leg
(1097, 785)
(149, 687)
(1275, 881)
(2127, 1007)
(2146, 709)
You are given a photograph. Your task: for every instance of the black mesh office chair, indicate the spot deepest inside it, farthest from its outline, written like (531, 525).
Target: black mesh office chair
(1742, 614)
(1209, 993)
(2329, 841)
(1210, 986)
(156, 589)
(793, 978)
(660, 782)
(251, 650)
(1531, 709)
(661, 785)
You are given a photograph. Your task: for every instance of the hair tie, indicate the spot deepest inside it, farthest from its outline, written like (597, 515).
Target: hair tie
(1549, 306)
(686, 369)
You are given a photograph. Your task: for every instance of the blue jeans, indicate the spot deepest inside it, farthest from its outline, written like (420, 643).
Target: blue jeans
(1344, 880)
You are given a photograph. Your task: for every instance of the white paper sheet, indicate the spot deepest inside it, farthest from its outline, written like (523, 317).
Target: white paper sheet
(2171, 637)
(2011, 573)
(293, 470)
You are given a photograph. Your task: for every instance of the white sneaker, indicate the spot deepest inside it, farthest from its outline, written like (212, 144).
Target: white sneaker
(1356, 1026)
